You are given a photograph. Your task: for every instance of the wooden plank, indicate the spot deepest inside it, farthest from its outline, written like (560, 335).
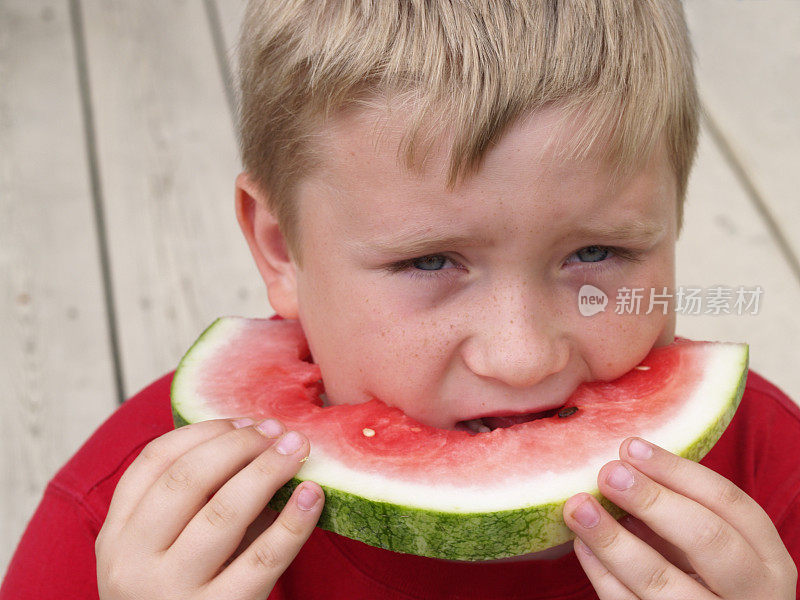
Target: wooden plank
(56, 372)
(748, 65)
(230, 14)
(225, 17)
(167, 151)
(726, 243)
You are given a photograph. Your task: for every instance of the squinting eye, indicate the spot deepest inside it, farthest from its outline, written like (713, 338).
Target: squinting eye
(432, 265)
(433, 262)
(592, 253)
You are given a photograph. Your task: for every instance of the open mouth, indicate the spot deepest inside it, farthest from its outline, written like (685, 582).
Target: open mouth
(487, 424)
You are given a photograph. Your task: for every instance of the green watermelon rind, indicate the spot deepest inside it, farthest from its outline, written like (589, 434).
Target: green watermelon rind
(480, 536)
(413, 530)
(465, 536)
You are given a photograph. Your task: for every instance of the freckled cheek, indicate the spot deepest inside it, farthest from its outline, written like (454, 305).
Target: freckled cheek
(405, 370)
(419, 348)
(613, 342)
(607, 350)
(344, 306)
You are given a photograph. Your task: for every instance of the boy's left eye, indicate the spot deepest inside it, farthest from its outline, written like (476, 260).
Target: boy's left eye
(598, 254)
(592, 253)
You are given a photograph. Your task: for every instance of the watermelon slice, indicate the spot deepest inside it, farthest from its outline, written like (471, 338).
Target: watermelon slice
(395, 483)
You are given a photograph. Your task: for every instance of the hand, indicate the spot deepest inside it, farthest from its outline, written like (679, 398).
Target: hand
(181, 511)
(691, 534)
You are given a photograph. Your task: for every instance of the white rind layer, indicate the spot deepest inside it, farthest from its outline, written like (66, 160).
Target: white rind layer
(710, 399)
(216, 334)
(707, 403)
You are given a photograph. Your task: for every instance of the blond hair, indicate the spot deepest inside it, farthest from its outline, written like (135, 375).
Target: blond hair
(473, 65)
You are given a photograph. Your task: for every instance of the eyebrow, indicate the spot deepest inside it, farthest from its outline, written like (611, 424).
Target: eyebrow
(417, 243)
(630, 231)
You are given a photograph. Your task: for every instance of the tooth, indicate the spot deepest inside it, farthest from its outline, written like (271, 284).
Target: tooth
(477, 426)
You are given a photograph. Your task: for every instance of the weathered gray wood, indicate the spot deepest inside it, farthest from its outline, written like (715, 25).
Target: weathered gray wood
(748, 63)
(725, 242)
(56, 373)
(230, 17)
(166, 148)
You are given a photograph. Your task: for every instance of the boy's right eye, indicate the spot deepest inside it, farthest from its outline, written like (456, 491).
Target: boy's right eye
(432, 263)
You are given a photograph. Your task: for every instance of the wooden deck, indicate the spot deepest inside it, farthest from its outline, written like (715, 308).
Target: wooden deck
(119, 243)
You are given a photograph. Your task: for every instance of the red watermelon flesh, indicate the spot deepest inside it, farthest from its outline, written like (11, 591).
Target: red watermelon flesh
(287, 387)
(681, 397)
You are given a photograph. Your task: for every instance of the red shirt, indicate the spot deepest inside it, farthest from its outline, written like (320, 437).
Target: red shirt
(55, 558)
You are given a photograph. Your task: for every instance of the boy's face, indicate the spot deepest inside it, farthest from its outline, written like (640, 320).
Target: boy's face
(464, 304)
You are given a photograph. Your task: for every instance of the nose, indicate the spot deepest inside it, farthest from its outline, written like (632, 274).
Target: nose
(515, 343)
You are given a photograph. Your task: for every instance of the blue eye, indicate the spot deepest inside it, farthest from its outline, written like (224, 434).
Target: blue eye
(603, 256)
(434, 262)
(436, 265)
(430, 266)
(592, 254)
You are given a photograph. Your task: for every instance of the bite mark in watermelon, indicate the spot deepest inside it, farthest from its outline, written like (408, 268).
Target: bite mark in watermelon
(396, 483)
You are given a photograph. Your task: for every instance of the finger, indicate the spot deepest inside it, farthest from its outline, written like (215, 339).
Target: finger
(603, 581)
(714, 548)
(602, 578)
(188, 483)
(256, 528)
(221, 524)
(153, 460)
(715, 492)
(669, 551)
(633, 563)
(254, 573)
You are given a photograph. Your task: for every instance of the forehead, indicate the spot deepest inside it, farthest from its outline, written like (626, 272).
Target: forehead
(363, 175)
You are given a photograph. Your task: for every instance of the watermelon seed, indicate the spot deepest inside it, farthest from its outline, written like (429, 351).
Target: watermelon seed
(368, 432)
(642, 368)
(416, 429)
(566, 412)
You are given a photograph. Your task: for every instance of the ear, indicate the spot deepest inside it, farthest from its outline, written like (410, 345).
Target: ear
(268, 246)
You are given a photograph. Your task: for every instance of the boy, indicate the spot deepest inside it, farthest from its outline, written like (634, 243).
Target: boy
(427, 185)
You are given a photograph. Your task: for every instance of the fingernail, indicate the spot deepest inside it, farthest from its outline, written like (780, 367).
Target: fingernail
(239, 423)
(289, 443)
(639, 449)
(306, 499)
(270, 428)
(620, 478)
(586, 514)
